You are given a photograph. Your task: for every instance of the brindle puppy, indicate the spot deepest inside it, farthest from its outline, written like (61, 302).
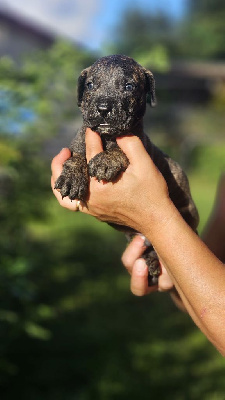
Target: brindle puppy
(112, 95)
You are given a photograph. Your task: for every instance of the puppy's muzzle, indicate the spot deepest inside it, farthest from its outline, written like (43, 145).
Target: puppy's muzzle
(104, 108)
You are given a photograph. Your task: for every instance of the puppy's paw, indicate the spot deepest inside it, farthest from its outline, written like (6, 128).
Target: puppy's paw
(107, 165)
(152, 262)
(73, 181)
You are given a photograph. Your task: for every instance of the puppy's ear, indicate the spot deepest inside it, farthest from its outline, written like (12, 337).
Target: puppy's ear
(151, 97)
(81, 85)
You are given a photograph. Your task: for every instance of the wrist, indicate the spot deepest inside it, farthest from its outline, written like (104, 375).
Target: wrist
(150, 219)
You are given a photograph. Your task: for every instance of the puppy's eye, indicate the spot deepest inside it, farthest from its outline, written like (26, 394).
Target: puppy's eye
(129, 87)
(90, 85)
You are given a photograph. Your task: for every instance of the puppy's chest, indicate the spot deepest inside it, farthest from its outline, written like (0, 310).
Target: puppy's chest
(108, 143)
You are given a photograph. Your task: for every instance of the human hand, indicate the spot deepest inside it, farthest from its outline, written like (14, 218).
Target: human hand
(134, 195)
(103, 198)
(138, 270)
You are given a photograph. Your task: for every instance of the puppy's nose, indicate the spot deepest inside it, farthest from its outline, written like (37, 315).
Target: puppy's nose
(104, 108)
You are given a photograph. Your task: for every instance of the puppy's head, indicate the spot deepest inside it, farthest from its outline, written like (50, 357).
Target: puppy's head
(112, 94)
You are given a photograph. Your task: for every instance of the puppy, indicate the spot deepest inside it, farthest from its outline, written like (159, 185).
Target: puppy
(112, 95)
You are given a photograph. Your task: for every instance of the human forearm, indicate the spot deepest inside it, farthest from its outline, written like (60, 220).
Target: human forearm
(198, 275)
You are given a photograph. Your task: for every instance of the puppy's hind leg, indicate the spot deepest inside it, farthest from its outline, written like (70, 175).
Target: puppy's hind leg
(153, 264)
(151, 259)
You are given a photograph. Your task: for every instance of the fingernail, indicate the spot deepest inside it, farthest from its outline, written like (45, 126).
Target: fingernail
(142, 239)
(145, 240)
(141, 236)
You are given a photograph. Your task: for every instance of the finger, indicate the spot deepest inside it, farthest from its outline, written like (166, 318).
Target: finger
(133, 251)
(165, 283)
(139, 279)
(134, 149)
(93, 144)
(58, 161)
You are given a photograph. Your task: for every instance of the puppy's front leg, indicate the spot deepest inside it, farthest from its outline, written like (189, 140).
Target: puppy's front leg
(108, 164)
(73, 181)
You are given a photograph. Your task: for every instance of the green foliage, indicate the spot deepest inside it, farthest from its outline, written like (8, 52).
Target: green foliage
(206, 7)
(202, 31)
(199, 35)
(53, 79)
(8, 154)
(44, 86)
(97, 340)
(156, 58)
(203, 37)
(32, 109)
(208, 160)
(144, 37)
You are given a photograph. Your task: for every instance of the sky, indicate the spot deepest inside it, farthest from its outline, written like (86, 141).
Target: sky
(88, 22)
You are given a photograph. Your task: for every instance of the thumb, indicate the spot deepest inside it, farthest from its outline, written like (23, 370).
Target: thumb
(93, 144)
(134, 150)
(57, 162)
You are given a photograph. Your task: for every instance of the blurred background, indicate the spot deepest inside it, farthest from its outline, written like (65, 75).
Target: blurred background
(69, 326)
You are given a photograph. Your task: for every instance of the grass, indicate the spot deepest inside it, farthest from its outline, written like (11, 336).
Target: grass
(203, 192)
